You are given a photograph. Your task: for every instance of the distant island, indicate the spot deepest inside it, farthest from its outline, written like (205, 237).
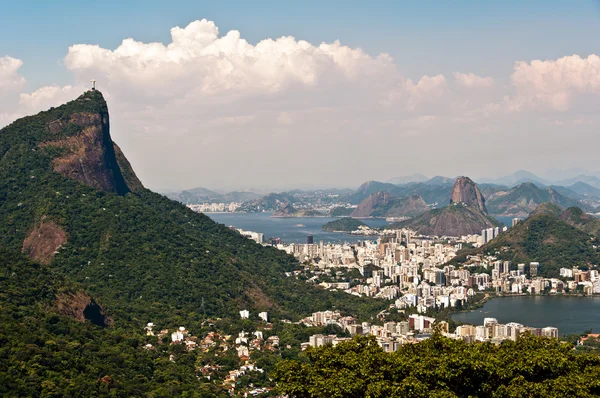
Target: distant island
(345, 224)
(290, 211)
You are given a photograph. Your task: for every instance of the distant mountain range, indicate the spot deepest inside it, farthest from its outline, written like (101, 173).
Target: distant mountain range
(523, 176)
(464, 215)
(407, 179)
(525, 197)
(515, 195)
(203, 195)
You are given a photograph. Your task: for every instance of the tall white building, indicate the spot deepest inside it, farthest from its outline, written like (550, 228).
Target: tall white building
(264, 316)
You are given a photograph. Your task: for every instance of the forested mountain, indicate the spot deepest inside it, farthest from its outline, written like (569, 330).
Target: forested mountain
(551, 237)
(106, 256)
(344, 224)
(524, 198)
(68, 203)
(585, 189)
(370, 187)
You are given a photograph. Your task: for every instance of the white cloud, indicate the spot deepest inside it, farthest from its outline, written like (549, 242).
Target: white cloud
(215, 110)
(471, 80)
(199, 60)
(48, 96)
(9, 75)
(555, 82)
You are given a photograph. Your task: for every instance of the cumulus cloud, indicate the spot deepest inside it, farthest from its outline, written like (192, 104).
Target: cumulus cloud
(471, 80)
(199, 58)
(555, 82)
(9, 75)
(48, 96)
(211, 109)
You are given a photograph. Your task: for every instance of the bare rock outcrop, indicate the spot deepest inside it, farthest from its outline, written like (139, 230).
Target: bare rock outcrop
(86, 150)
(43, 241)
(466, 191)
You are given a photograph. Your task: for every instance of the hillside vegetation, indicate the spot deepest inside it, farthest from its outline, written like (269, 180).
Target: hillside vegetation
(552, 238)
(345, 224)
(524, 198)
(140, 255)
(441, 367)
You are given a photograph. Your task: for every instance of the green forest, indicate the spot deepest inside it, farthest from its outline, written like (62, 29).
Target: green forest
(141, 258)
(441, 367)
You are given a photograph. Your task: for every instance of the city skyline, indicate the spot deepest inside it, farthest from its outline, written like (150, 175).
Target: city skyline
(243, 96)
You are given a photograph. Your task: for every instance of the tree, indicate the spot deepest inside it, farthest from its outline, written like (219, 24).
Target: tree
(441, 367)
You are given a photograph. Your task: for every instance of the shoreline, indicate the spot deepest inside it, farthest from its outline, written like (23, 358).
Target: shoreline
(490, 296)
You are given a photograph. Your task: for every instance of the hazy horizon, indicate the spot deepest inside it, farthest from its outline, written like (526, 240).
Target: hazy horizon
(238, 96)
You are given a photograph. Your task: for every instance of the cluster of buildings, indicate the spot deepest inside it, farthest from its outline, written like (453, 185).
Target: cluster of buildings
(244, 344)
(490, 233)
(507, 278)
(179, 336)
(398, 267)
(391, 335)
(215, 207)
(496, 332)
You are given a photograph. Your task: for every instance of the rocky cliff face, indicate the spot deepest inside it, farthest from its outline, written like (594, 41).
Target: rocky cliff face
(466, 191)
(465, 215)
(410, 206)
(384, 204)
(371, 203)
(86, 152)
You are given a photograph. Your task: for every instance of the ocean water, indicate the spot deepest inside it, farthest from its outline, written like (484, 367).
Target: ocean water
(291, 230)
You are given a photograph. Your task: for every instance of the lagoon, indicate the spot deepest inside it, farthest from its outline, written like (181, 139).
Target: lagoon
(569, 314)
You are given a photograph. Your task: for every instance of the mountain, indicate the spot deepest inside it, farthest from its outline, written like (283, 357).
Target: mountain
(71, 201)
(340, 211)
(547, 208)
(587, 179)
(465, 191)
(577, 218)
(524, 198)
(369, 188)
(239, 196)
(203, 195)
(488, 190)
(452, 220)
(517, 178)
(567, 192)
(585, 189)
(346, 224)
(193, 196)
(270, 202)
(290, 211)
(434, 191)
(440, 180)
(552, 238)
(464, 215)
(383, 204)
(434, 195)
(407, 179)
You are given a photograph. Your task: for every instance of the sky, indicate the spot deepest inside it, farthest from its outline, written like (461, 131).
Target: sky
(272, 95)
